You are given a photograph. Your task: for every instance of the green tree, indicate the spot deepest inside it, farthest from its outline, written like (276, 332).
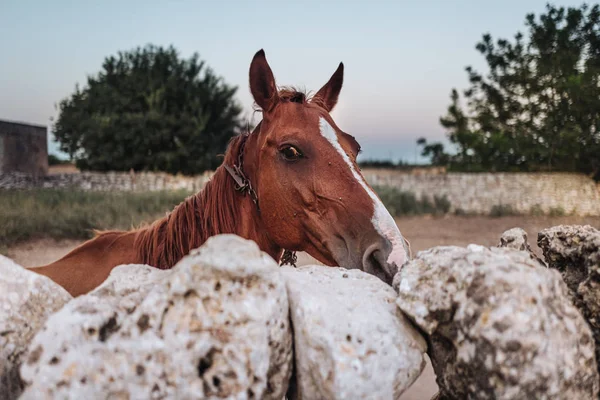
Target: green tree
(435, 151)
(538, 106)
(149, 109)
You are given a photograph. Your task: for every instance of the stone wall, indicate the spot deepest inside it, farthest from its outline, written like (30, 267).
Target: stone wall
(479, 192)
(23, 148)
(111, 181)
(473, 193)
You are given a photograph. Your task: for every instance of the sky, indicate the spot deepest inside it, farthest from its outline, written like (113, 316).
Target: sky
(401, 58)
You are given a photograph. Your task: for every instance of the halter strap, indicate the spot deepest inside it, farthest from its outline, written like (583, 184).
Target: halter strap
(237, 173)
(244, 186)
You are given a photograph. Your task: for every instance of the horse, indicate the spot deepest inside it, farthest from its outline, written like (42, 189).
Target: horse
(291, 184)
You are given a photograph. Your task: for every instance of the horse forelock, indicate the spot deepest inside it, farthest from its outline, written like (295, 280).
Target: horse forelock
(291, 94)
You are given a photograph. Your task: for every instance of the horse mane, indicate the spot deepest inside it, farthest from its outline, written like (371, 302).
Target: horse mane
(193, 221)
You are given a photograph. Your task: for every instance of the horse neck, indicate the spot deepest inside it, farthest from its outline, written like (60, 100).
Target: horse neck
(217, 209)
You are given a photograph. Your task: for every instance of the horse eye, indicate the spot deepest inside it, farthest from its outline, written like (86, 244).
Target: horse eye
(290, 153)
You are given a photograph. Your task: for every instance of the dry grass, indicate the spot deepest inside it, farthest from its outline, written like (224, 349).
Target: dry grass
(28, 214)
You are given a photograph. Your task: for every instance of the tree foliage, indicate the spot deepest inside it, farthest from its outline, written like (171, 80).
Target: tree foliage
(149, 109)
(538, 107)
(435, 151)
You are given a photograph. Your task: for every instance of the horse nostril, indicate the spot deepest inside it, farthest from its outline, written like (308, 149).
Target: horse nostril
(374, 263)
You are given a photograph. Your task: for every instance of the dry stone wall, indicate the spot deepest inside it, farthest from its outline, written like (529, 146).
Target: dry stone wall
(475, 193)
(110, 181)
(479, 192)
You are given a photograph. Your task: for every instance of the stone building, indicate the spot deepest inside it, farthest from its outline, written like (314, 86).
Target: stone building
(23, 148)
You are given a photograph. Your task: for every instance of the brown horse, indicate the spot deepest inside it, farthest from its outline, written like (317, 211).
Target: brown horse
(293, 183)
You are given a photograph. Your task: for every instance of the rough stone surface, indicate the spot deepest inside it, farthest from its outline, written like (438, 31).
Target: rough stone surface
(23, 148)
(351, 341)
(574, 251)
(499, 325)
(26, 300)
(516, 238)
(216, 326)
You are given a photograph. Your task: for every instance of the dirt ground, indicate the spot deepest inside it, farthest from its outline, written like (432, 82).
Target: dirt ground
(422, 232)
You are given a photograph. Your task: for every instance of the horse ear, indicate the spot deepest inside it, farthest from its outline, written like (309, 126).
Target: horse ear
(262, 82)
(327, 96)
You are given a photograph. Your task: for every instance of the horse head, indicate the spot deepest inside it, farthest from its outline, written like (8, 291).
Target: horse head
(310, 191)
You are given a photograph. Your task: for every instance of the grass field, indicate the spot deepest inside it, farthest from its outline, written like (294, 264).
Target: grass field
(70, 214)
(74, 214)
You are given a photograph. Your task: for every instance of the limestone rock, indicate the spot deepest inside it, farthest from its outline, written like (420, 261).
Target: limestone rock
(575, 252)
(351, 341)
(26, 300)
(516, 238)
(499, 325)
(94, 317)
(216, 326)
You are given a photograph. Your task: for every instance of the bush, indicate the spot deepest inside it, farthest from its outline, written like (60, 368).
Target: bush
(557, 212)
(536, 210)
(401, 203)
(442, 204)
(460, 212)
(74, 214)
(502, 210)
(426, 206)
(53, 160)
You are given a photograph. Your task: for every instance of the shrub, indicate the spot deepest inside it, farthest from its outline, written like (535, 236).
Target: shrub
(536, 210)
(502, 210)
(426, 206)
(401, 203)
(557, 212)
(53, 160)
(442, 204)
(460, 212)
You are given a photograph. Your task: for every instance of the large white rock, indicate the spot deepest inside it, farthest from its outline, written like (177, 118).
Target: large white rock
(499, 324)
(574, 251)
(351, 341)
(92, 318)
(26, 300)
(516, 238)
(216, 326)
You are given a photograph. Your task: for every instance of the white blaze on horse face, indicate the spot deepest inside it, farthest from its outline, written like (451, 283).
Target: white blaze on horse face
(382, 220)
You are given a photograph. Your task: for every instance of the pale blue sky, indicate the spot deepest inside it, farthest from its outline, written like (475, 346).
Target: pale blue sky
(402, 58)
